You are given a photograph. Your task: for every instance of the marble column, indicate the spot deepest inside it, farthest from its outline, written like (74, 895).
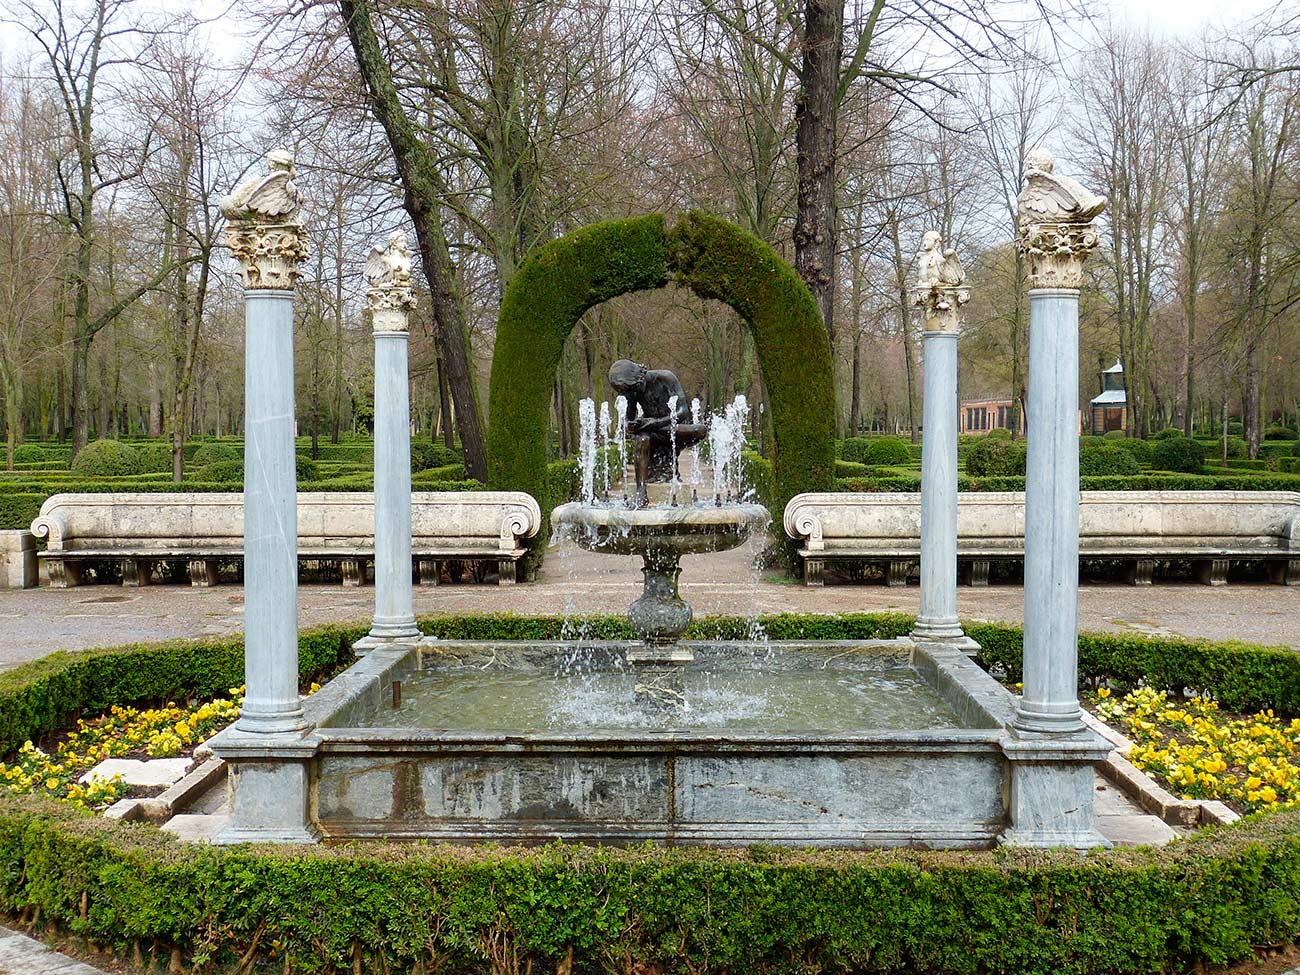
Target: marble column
(940, 292)
(388, 297)
(266, 745)
(1050, 749)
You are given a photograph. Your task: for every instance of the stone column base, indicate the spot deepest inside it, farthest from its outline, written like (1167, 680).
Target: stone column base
(270, 788)
(1050, 801)
(373, 642)
(947, 634)
(979, 572)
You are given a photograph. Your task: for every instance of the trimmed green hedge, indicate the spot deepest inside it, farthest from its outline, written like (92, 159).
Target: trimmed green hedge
(1208, 901)
(713, 258)
(1211, 901)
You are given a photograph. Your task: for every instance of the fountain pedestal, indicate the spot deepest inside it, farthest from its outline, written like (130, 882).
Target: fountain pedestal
(660, 615)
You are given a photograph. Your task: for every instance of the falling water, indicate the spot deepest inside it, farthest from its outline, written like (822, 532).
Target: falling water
(620, 437)
(726, 442)
(587, 449)
(672, 440)
(602, 437)
(695, 450)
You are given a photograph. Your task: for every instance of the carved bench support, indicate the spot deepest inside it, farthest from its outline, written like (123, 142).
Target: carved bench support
(136, 572)
(979, 572)
(427, 571)
(64, 574)
(1214, 572)
(506, 572)
(1142, 571)
(814, 572)
(202, 572)
(897, 572)
(354, 571)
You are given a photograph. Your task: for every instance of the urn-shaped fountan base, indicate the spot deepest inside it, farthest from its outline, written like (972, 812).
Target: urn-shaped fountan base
(660, 615)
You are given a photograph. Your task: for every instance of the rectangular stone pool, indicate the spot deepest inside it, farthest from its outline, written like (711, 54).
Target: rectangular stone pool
(849, 743)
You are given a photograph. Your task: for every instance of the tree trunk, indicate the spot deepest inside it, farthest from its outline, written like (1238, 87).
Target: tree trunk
(855, 399)
(444, 405)
(423, 195)
(816, 115)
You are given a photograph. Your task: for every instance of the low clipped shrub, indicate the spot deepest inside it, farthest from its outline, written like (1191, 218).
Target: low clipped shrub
(216, 453)
(998, 433)
(1115, 435)
(852, 449)
(155, 457)
(1166, 433)
(221, 472)
(996, 457)
(887, 452)
(1238, 449)
(29, 453)
(106, 458)
(1235, 428)
(1105, 460)
(1141, 450)
(1179, 454)
(1279, 432)
(847, 468)
(232, 471)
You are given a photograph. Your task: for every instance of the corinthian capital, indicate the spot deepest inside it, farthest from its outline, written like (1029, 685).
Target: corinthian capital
(263, 229)
(388, 276)
(1055, 214)
(940, 288)
(1056, 252)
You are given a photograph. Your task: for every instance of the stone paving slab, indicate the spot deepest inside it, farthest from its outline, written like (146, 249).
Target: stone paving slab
(21, 955)
(150, 773)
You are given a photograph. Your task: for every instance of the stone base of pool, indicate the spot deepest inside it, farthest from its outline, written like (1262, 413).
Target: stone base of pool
(845, 744)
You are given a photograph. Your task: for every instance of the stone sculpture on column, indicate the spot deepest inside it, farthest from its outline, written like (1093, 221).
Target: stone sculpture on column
(1050, 748)
(389, 299)
(267, 748)
(940, 291)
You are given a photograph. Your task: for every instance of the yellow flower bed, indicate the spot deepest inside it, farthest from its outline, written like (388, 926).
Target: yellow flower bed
(123, 732)
(1200, 754)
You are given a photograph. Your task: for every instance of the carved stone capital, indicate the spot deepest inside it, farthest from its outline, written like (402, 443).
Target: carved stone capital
(1056, 251)
(394, 298)
(268, 253)
(940, 307)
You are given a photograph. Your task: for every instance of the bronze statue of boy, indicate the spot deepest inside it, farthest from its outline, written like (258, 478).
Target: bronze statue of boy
(650, 422)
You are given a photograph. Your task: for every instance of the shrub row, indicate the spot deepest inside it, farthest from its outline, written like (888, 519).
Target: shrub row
(1208, 901)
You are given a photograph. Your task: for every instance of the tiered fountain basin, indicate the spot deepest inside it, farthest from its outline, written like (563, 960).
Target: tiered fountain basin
(872, 743)
(661, 535)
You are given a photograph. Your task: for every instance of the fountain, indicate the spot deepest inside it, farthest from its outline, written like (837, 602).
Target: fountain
(902, 742)
(661, 533)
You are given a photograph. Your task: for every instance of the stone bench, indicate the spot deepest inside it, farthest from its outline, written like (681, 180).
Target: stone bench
(1211, 528)
(204, 530)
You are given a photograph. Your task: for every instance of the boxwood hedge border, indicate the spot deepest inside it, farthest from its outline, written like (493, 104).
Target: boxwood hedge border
(715, 259)
(1213, 899)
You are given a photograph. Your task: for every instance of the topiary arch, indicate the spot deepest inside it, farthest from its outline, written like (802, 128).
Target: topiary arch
(715, 259)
